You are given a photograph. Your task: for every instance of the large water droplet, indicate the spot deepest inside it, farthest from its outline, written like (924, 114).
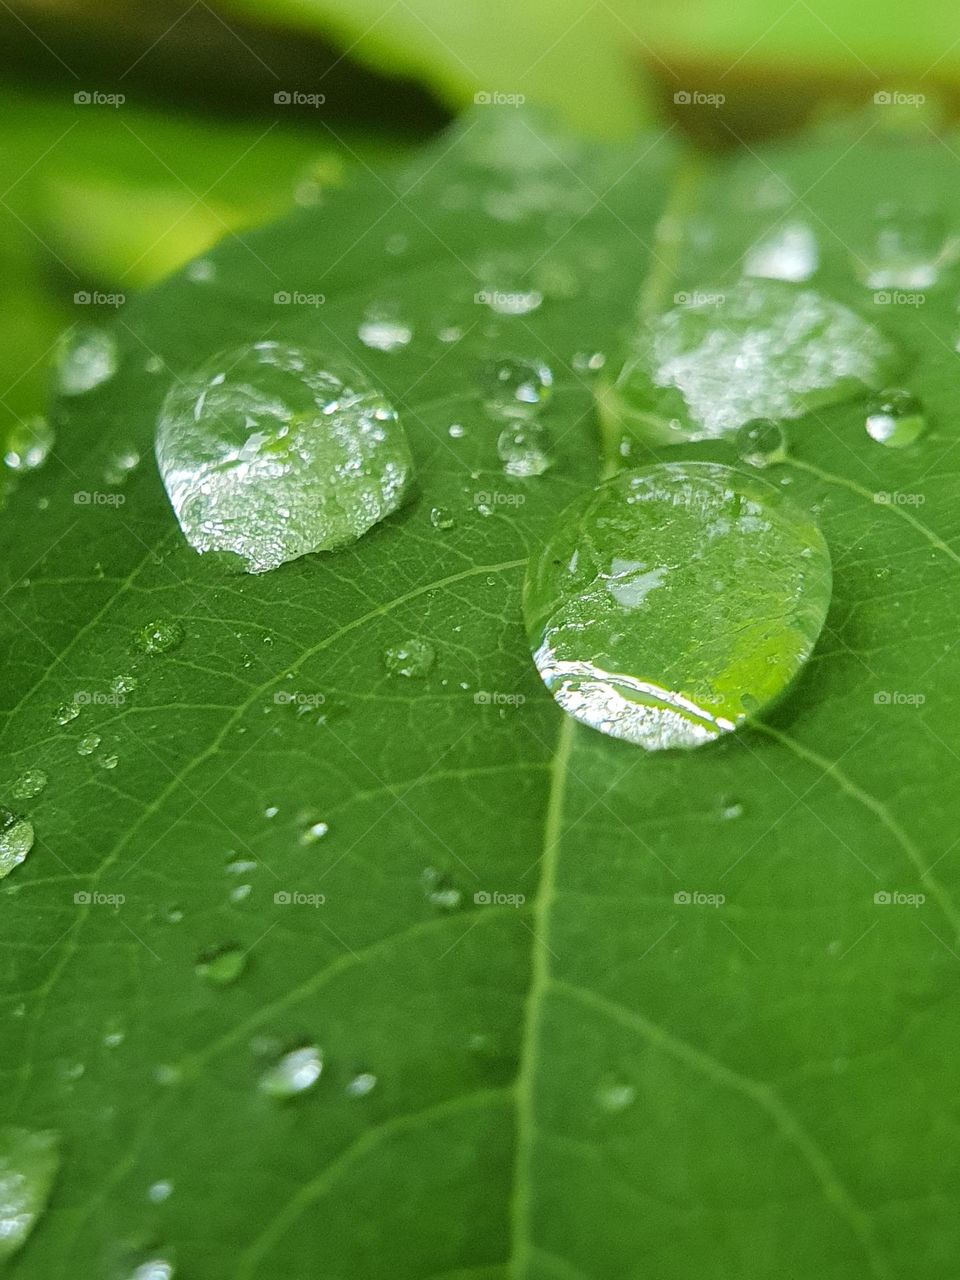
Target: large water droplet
(159, 636)
(413, 658)
(902, 249)
(789, 252)
(86, 357)
(16, 840)
(895, 418)
(517, 387)
(675, 601)
(28, 1166)
(28, 444)
(270, 454)
(295, 1073)
(29, 784)
(523, 449)
(222, 965)
(762, 350)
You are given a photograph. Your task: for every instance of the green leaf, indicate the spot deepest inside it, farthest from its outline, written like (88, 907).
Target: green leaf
(710, 1039)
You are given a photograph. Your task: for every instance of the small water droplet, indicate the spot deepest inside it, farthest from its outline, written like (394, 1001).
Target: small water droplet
(383, 331)
(788, 252)
(158, 1192)
(123, 685)
(240, 866)
(29, 1162)
(66, 712)
(615, 1096)
(442, 518)
(628, 628)
(114, 1035)
(28, 444)
(271, 811)
(119, 466)
(159, 636)
(29, 784)
(86, 358)
(316, 831)
(902, 248)
(895, 418)
(522, 448)
(269, 453)
(439, 890)
(222, 965)
(295, 1073)
(361, 1085)
(413, 658)
(241, 892)
(168, 1074)
(517, 387)
(16, 840)
(456, 431)
(731, 809)
(201, 271)
(588, 361)
(153, 1269)
(86, 746)
(108, 762)
(762, 443)
(450, 333)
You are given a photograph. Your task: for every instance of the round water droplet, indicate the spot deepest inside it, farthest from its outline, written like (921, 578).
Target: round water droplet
(361, 1085)
(588, 361)
(442, 518)
(517, 387)
(29, 784)
(456, 431)
(902, 248)
(29, 1162)
(16, 840)
(28, 444)
(119, 466)
(269, 453)
(88, 745)
(222, 965)
(86, 358)
(316, 831)
(381, 330)
(788, 252)
(764, 349)
(413, 658)
(159, 636)
(522, 447)
(895, 418)
(295, 1073)
(66, 712)
(654, 607)
(762, 444)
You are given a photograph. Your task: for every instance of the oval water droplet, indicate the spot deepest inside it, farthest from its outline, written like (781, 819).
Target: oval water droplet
(16, 840)
(88, 745)
(517, 387)
(442, 518)
(763, 349)
(160, 1191)
(413, 658)
(108, 762)
(361, 1085)
(895, 418)
(222, 965)
(86, 358)
(159, 636)
(28, 444)
(654, 607)
(66, 712)
(762, 444)
(731, 809)
(788, 252)
(614, 1096)
(270, 454)
(439, 889)
(382, 330)
(523, 449)
(30, 784)
(29, 1162)
(295, 1073)
(152, 1269)
(316, 831)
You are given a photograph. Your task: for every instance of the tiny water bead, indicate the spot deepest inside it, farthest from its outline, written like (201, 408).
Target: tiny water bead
(269, 453)
(903, 248)
(523, 449)
(28, 444)
(159, 636)
(119, 466)
(517, 387)
(895, 418)
(16, 840)
(788, 252)
(413, 658)
(30, 784)
(222, 965)
(763, 349)
(762, 444)
(675, 602)
(614, 1095)
(29, 1162)
(295, 1073)
(86, 358)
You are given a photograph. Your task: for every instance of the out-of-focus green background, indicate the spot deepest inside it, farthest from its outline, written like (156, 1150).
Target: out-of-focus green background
(136, 134)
